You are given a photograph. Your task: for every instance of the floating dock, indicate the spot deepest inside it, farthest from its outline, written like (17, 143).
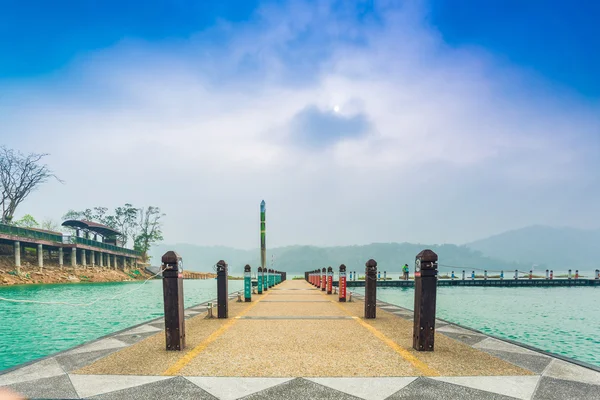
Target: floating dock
(483, 282)
(296, 342)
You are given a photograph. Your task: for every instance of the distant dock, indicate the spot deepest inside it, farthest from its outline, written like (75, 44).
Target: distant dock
(484, 282)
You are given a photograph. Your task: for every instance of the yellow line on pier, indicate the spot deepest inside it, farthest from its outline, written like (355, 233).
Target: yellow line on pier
(186, 359)
(425, 369)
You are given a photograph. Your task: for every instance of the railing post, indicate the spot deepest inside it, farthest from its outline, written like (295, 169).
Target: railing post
(425, 299)
(222, 292)
(371, 289)
(329, 280)
(342, 283)
(247, 283)
(173, 301)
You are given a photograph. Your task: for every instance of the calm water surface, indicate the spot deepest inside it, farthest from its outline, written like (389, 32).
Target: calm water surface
(564, 320)
(30, 331)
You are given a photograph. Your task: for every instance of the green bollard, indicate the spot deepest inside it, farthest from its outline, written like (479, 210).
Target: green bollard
(247, 284)
(259, 278)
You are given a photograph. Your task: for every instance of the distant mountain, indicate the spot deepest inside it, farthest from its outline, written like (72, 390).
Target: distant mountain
(297, 259)
(548, 247)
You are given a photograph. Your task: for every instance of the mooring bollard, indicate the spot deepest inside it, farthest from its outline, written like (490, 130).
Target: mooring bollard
(329, 280)
(569, 274)
(472, 275)
(222, 285)
(485, 275)
(452, 275)
(259, 279)
(516, 274)
(385, 275)
(324, 280)
(576, 274)
(342, 283)
(501, 275)
(530, 274)
(378, 275)
(172, 272)
(463, 275)
(547, 274)
(370, 289)
(551, 274)
(598, 274)
(354, 275)
(209, 309)
(247, 283)
(425, 298)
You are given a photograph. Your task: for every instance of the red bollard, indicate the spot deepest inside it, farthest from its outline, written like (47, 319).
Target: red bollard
(342, 283)
(329, 280)
(530, 274)
(551, 274)
(324, 280)
(576, 274)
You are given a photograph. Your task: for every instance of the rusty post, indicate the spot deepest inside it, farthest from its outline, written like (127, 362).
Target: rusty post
(371, 289)
(222, 292)
(172, 272)
(425, 299)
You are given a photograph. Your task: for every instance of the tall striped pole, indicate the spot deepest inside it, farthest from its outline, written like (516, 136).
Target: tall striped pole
(263, 244)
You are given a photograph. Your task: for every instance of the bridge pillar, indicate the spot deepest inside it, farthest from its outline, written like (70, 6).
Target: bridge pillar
(101, 259)
(40, 254)
(83, 260)
(92, 258)
(73, 257)
(18, 255)
(60, 257)
(425, 299)
(371, 289)
(173, 301)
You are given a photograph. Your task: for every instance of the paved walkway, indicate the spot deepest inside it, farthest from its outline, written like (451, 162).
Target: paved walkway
(295, 342)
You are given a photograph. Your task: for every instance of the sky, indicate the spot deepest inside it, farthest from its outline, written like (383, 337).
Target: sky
(357, 122)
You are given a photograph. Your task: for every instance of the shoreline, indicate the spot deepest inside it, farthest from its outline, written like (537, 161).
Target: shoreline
(54, 275)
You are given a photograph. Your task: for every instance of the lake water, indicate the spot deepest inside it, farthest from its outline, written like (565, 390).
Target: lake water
(562, 320)
(30, 331)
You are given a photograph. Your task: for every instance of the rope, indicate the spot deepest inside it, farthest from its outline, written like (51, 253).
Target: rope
(80, 304)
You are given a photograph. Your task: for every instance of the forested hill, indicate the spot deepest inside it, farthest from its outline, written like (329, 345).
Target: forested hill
(296, 259)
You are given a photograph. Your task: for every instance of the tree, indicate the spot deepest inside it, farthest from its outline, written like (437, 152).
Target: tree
(27, 222)
(150, 230)
(125, 221)
(50, 225)
(20, 175)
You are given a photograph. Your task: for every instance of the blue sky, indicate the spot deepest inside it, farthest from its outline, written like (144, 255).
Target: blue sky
(492, 107)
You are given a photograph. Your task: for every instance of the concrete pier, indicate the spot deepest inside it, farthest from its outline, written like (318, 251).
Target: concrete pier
(17, 254)
(60, 257)
(296, 342)
(40, 255)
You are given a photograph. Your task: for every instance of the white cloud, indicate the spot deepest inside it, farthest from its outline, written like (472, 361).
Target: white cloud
(459, 145)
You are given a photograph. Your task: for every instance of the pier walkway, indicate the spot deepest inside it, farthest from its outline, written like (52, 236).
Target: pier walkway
(296, 342)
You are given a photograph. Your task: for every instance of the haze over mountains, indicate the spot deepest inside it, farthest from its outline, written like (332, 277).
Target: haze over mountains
(542, 246)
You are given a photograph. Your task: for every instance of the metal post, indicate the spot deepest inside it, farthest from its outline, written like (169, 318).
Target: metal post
(172, 272)
(425, 299)
(501, 275)
(452, 275)
(569, 274)
(259, 279)
(329, 280)
(371, 289)
(547, 274)
(222, 285)
(463, 275)
(485, 275)
(516, 274)
(342, 283)
(385, 275)
(247, 283)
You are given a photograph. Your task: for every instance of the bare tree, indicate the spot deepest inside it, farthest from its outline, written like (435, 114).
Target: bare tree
(20, 175)
(150, 230)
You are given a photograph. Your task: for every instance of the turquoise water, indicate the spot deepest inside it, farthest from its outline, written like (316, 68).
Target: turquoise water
(563, 320)
(30, 331)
